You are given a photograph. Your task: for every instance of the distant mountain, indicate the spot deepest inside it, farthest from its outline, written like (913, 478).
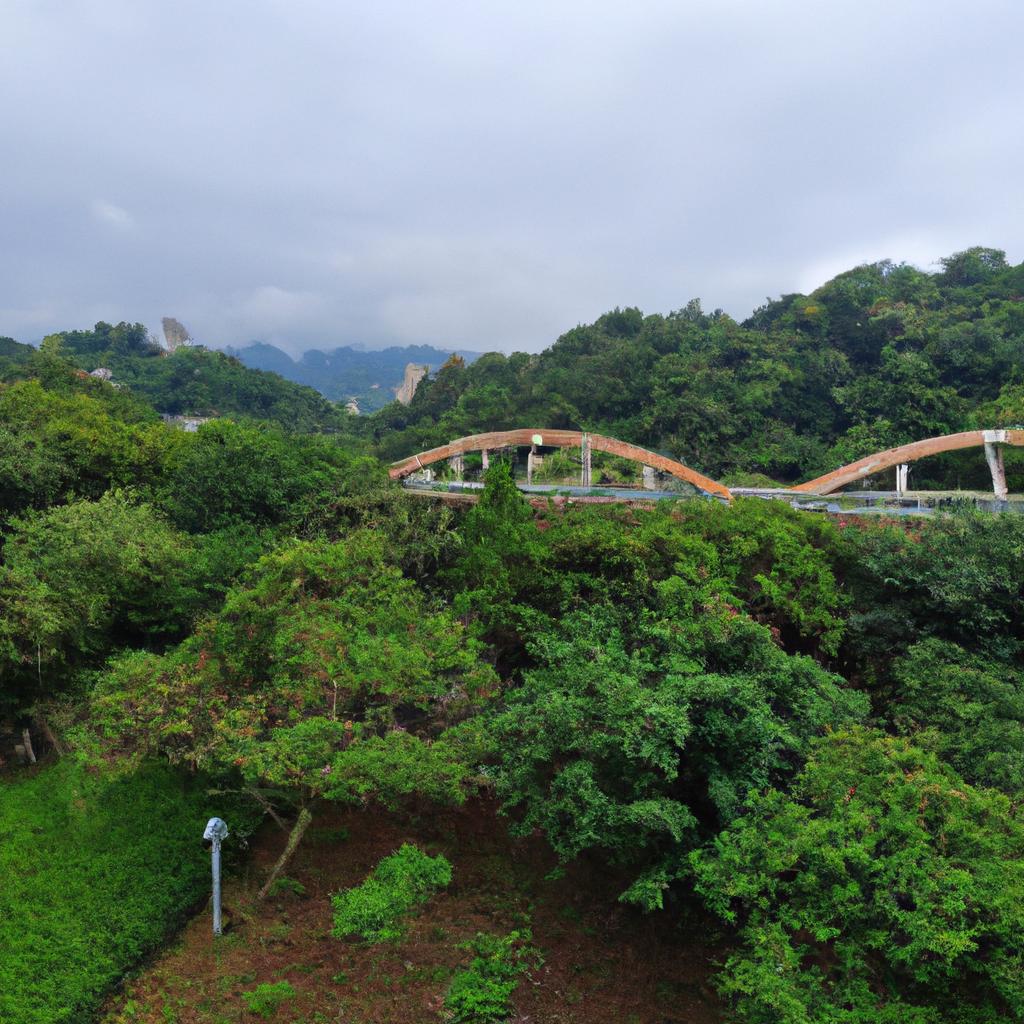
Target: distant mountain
(347, 373)
(192, 380)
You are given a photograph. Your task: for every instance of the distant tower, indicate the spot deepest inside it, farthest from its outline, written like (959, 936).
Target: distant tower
(175, 334)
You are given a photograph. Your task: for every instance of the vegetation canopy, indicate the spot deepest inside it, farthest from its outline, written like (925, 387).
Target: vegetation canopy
(792, 740)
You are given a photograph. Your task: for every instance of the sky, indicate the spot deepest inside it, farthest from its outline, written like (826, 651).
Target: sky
(486, 175)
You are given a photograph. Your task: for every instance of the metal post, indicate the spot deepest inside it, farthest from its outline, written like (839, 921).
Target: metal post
(217, 927)
(216, 832)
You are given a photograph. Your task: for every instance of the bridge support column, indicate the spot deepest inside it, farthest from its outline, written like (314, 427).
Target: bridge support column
(585, 453)
(530, 456)
(457, 465)
(485, 456)
(901, 478)
(650, 478)
(994, 458)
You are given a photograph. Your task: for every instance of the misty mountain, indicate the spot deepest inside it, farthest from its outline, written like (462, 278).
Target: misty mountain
(347, 373)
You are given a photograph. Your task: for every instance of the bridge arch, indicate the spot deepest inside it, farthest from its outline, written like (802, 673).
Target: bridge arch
(911, 453)
(558, 439)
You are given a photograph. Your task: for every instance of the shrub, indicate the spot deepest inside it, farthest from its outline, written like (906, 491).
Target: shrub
(882, 889)
(480, 994)
(376, 908)
(636, 754)
(266, 999)
(284, 884)
(967, 708)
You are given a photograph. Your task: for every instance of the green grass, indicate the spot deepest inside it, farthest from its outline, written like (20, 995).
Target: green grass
(266, 999)
(93, 874)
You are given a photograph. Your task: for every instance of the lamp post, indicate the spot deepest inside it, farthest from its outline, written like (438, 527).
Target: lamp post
(216, 832)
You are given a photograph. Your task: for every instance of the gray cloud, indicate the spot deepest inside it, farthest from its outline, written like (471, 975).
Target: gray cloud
(486, 175)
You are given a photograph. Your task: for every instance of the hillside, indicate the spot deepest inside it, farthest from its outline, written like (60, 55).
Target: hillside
(880, 355)
(345, 374)
(503, 761)
(198, 381)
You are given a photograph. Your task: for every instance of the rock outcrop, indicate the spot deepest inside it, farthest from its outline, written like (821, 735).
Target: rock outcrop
(414, 373)
(175, 333)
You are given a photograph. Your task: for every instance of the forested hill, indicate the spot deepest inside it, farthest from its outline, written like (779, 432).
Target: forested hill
(345, 373)
(880, 355)
(190, 381)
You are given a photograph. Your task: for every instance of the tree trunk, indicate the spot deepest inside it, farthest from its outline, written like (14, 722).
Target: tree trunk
(59, 746)
(300, 826)
(267, 807)
(26, 739)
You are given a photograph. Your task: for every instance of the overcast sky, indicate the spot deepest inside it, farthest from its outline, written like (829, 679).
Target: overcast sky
(487, 175)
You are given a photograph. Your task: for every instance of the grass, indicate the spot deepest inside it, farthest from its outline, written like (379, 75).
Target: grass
(94, 873)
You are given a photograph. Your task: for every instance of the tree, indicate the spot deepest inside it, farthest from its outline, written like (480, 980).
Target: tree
(967, 708)
(56, 446)
(635, 752)
(972, 266)
(500, 569)
(324, 676)
(82, 578)
(880, 888)
(229, 472)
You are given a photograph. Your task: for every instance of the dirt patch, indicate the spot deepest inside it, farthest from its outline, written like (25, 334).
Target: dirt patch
(603, 963)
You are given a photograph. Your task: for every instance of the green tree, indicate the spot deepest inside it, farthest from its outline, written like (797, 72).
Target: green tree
(635, 752)
(499, 572)
(325, 675)
(881, 888)
(80, 579)
(967, 708)
(229, 472)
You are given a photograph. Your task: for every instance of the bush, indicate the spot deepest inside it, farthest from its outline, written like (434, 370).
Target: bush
(266, 999)
(376, 908)
(284, 884)
(637, 754)
(480, 994)
(967, 708)
(882, 889)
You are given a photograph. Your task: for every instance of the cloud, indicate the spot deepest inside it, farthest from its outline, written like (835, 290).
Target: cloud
(111, 214)
(485, 175)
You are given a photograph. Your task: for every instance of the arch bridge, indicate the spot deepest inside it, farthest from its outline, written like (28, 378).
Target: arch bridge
(534, 439)
(902, 456)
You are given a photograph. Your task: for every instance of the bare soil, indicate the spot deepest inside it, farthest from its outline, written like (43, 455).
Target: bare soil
(603, 962)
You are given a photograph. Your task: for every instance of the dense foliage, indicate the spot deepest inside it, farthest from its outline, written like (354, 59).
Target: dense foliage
(195, 381)
(880, 355)
(88, 886)
(880, 888)
(376, 908)
(812, 728)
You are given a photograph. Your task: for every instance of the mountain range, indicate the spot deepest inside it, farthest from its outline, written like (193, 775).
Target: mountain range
(347, 374)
